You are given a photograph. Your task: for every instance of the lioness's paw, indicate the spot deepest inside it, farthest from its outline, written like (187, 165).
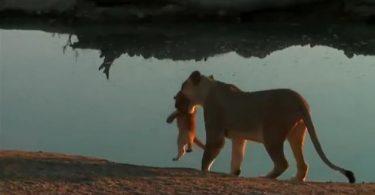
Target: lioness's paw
(295, 179)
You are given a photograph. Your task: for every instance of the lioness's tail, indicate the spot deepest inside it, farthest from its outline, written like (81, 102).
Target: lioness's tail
(314, 138)
(199, 143)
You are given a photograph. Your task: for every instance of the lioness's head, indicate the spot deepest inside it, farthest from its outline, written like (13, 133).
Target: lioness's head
(195, 89)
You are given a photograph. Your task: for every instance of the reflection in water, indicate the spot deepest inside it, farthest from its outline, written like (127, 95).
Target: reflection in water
(109, 57)
(51, 103)
(200, 41)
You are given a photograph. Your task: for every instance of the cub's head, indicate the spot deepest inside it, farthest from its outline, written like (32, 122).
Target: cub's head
(183, 106)
(196, 88)
(182, 103)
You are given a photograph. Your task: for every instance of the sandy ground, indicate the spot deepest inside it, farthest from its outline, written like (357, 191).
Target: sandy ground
(50, 173)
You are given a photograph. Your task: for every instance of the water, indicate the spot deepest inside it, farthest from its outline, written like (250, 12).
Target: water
(53, 98)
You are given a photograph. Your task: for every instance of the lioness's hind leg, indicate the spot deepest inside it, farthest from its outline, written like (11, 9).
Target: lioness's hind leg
(296, 140)
(276, 152)
(274, 135)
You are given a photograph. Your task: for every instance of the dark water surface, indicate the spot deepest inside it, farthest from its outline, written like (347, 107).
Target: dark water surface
(53, 98)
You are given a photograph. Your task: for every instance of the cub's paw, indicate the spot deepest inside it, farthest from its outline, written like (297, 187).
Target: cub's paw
(189, 150)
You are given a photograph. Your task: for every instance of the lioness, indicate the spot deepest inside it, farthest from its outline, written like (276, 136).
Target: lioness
(186, 127)
(269, 117)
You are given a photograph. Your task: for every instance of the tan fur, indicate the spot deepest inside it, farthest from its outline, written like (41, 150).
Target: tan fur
(269, 117)
(186, 123)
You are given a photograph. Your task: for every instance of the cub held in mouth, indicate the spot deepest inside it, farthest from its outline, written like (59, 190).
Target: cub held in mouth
(186, 123)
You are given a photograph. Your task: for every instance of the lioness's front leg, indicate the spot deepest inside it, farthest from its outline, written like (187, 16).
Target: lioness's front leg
(215, 140)
(215, 136)
(210, 153)
(238, 152)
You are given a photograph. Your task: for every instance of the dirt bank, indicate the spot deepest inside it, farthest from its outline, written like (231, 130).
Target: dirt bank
(40, 172)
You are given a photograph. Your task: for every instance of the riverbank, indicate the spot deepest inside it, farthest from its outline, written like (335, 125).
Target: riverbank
(40, 172)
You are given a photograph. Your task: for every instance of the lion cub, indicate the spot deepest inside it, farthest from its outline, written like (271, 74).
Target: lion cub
(186, 128)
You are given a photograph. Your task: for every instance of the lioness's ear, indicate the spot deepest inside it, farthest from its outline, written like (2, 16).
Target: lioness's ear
(195, 77)
(211, 77)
